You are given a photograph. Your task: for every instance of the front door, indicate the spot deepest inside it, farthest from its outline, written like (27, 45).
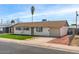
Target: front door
(32, 30)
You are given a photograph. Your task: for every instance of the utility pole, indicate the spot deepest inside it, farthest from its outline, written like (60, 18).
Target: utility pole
(76, 22)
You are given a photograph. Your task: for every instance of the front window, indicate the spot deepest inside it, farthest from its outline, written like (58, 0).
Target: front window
(39, 29)
(25, 28)
(18, 28)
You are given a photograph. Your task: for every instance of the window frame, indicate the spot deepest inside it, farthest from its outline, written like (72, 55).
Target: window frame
(18, 28)
(26, 28)
(39, 29)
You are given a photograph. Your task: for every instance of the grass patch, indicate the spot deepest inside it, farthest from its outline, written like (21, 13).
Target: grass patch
(12, 36)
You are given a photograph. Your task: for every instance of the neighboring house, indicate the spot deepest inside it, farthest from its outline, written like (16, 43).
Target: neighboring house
(72, 29)
(47, 28)
(5, 27)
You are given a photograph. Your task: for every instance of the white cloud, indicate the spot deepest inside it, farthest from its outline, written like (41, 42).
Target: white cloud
(51, 12)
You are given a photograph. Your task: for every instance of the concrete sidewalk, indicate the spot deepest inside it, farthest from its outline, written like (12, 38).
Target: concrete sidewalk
(41, 42)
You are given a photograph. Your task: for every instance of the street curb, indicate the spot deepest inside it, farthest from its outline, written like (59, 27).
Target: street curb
(43, 45)
(56, 48)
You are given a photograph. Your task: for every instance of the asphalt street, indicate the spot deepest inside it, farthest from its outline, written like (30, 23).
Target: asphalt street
(14, 48)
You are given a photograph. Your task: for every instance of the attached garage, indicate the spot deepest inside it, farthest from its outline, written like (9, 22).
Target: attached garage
(54, 32)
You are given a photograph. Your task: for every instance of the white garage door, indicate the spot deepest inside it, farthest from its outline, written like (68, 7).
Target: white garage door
(54, 32)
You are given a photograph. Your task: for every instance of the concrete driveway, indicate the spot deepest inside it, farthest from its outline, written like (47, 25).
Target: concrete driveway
(40, 40)
(14, 48)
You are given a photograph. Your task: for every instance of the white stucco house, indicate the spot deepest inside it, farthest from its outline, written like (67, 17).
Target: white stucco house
(47, 28)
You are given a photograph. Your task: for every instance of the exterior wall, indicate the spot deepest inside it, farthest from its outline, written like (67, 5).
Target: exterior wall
(54, 32)
(1, 29)
(63, 31)
(11, 30)
(45, 32)
(27, 32)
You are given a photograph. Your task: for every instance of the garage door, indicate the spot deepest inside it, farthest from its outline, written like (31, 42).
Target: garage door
(54, 32)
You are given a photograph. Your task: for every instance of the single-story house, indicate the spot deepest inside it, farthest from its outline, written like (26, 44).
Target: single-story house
(46, 28)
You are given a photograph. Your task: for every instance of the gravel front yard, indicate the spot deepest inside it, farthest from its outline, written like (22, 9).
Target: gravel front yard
(75, 41)
(63, 40)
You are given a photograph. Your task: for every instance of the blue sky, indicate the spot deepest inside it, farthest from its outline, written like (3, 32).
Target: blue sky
(51, 12)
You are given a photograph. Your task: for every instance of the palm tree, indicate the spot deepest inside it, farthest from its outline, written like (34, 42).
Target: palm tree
(32, 12)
